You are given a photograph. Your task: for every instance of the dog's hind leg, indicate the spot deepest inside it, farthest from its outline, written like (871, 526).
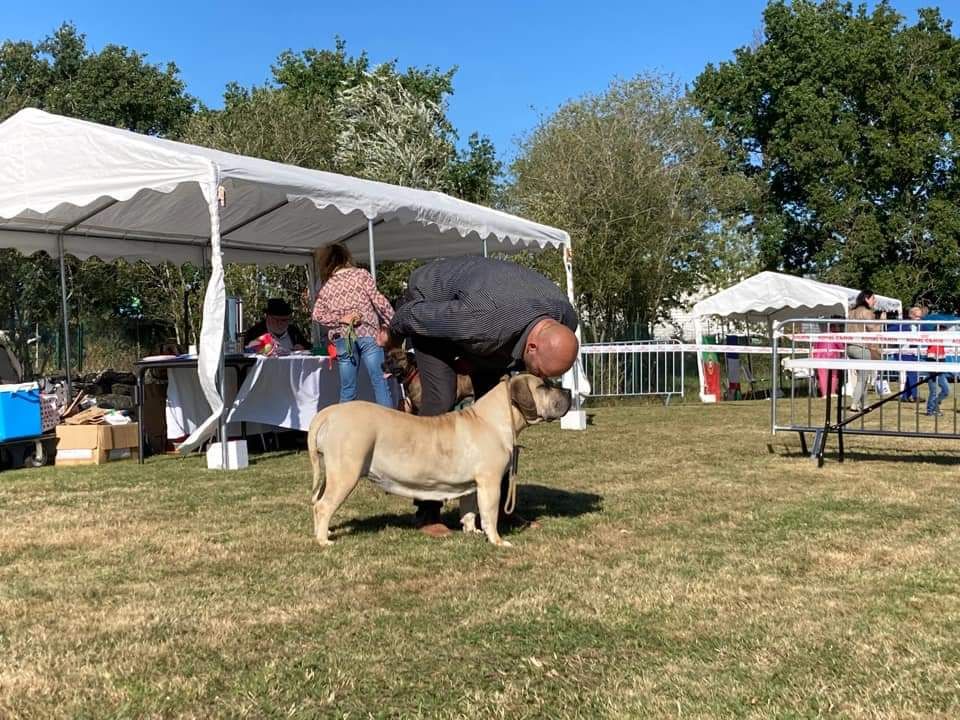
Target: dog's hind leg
(488, 501)
(316, 457)
(340, 481)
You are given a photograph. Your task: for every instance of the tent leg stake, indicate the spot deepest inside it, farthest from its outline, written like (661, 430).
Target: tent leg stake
(66, 319)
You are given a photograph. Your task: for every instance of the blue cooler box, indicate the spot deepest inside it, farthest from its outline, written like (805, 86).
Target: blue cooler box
(19, 411)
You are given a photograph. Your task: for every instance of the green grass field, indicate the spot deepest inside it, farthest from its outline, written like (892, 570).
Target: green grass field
(688, 566)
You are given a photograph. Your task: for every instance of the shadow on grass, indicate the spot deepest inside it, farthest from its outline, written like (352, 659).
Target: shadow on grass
(259, 457)
(794, 452)
(534, 502)
(895, 457)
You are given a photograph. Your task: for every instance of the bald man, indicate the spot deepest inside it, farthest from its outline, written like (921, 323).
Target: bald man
(484, 318)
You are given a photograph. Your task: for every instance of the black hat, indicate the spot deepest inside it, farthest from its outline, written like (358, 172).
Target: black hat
(278, 307)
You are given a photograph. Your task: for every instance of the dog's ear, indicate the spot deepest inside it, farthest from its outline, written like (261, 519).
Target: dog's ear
(521, 395)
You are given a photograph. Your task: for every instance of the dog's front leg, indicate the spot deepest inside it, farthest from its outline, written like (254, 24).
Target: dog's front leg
(488, 500)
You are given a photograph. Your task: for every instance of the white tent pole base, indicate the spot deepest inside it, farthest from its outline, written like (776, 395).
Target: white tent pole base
(574, 420)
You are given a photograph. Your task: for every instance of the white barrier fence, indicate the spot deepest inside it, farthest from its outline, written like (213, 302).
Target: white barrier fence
(653, 368)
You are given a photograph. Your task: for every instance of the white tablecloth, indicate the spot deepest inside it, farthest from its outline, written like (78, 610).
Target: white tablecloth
(278, 392)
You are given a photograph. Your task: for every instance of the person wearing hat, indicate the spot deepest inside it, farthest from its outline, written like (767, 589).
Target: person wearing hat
(276, 321)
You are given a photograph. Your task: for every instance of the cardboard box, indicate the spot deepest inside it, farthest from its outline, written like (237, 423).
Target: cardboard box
(96, 444)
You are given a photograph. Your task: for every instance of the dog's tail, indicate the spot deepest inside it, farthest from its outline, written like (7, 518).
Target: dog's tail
(314, 438)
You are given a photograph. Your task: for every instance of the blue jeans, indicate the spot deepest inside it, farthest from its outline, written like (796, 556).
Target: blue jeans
(913, 378)
(933, 399)
(365, 349)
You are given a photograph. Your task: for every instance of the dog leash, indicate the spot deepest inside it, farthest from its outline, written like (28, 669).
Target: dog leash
(510, 504)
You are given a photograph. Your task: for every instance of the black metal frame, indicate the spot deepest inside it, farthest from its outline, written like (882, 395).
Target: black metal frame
(240, 363)
(821, 434)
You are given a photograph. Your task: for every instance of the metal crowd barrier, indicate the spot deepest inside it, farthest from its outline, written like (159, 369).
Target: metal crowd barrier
(635, 369)
(800, 399)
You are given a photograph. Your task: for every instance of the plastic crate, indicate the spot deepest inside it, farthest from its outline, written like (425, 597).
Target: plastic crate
(49, 412)
(19, 411)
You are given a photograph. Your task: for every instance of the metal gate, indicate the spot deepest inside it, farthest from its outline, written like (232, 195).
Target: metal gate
(634, 369)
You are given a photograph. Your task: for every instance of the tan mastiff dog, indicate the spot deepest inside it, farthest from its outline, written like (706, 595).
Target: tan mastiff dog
(429, 458)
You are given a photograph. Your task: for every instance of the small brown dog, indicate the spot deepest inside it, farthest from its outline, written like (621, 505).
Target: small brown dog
(402, 365)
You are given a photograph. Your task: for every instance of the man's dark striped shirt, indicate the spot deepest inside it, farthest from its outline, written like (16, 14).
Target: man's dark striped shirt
(482, 306)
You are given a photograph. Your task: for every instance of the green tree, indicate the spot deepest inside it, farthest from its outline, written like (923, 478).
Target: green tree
(268, 123)
(849, 119)
(390, 134)
(115, 86)
(642, 187)
(325, 73)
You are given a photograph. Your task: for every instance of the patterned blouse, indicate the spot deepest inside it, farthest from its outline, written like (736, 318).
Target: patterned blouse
(351, 290)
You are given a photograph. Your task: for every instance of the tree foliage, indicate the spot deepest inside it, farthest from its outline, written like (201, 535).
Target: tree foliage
(268, 123)
(115, 86)
(849, 119)
(390, 134)
(642, 186)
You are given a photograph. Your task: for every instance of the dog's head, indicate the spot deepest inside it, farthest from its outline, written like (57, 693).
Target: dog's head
(538, 400)
(399, 363)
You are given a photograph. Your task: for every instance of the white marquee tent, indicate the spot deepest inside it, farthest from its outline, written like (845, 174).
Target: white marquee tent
(770, 297)
(74, 187)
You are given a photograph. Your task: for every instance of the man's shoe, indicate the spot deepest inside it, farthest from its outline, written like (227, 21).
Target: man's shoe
(436, 530)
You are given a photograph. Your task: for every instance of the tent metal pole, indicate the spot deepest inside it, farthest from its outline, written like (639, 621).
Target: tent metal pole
(772, 328)
(89, 216)
(485, 248)
(698, 335)
(224, 455)
(312, 294)
(191, 241)
(575, 370)
(254, 218)
(66, 318)
(373, 258)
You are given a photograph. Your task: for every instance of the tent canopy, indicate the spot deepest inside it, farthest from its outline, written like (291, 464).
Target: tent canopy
(70, 186)
(117, 194)
(770, 296)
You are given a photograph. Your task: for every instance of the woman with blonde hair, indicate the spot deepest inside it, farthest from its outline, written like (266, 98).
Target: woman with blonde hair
(349, 304)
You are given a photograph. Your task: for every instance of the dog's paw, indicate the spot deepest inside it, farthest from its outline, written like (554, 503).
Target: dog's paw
(500, 542)
(469, 523)
(324, 542)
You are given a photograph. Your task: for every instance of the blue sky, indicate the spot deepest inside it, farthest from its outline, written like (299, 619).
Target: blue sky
(517, 60)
